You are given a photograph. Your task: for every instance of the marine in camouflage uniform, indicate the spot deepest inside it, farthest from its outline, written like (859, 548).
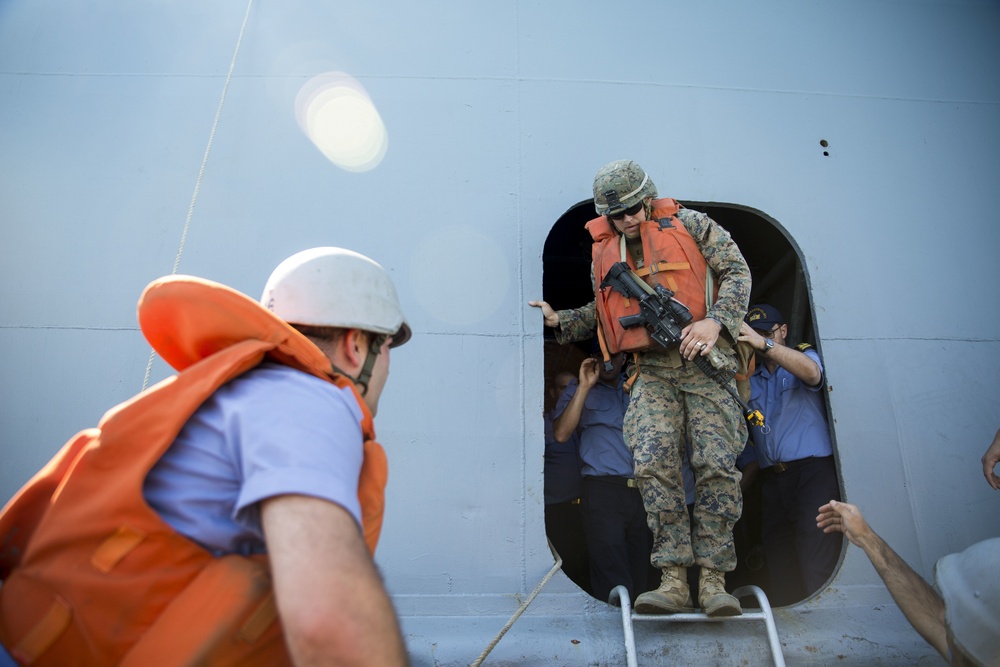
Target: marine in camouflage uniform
(672, 400)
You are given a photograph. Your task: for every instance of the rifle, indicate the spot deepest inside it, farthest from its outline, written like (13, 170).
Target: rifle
(664, 317)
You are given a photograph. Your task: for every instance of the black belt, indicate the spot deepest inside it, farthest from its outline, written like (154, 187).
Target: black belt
(612, 479)
(784, 466)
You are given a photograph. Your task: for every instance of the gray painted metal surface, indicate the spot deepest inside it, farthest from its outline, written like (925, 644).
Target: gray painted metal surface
(497, 117)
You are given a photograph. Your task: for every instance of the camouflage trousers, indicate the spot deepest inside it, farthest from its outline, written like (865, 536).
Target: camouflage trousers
(668, 406)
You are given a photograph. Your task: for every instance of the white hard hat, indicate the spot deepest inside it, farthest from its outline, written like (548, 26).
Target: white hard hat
(334, 287)
(970, 587)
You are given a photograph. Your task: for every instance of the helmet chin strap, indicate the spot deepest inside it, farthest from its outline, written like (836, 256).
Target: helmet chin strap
(365, 376)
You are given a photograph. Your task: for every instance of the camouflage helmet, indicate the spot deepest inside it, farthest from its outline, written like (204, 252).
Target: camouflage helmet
(620, 185)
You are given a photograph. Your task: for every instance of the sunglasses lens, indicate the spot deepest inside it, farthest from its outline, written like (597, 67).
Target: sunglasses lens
(631, 210)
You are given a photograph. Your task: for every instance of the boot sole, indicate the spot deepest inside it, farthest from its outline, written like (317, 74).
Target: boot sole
(657, 610)
(642, 606)
(725, 605)
(724, 611)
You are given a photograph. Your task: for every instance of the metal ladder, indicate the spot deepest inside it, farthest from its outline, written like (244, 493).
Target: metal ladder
(628, 616)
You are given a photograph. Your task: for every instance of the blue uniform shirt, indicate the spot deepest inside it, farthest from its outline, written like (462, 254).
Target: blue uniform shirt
(602, 444)
(794, 413)
(562, 467)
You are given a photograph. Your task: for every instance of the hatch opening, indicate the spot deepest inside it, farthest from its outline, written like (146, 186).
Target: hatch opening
(778, 279)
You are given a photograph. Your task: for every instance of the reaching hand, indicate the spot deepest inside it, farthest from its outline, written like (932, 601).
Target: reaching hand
(990, 460)
(749, 335)
(551, 319)
(844, 518)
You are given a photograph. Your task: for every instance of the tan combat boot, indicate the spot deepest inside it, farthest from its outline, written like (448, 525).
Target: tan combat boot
(712, 595)
(673, 596)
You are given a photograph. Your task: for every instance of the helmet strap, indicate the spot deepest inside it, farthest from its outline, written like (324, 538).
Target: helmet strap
(365, 376)
(647, 205)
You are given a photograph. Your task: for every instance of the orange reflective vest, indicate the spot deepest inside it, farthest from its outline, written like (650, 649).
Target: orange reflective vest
(671, 259)
(91, 574)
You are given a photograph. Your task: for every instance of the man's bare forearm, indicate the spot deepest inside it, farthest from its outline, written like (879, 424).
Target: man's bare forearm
(796, 363)
(921, 605)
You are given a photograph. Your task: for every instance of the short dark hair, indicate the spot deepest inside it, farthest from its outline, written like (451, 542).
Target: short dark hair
(321, 332)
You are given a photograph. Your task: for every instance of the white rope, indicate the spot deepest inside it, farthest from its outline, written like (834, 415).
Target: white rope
(201, 170)
(496, 640)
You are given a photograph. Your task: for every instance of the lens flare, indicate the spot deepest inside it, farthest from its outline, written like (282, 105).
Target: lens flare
(337, 115)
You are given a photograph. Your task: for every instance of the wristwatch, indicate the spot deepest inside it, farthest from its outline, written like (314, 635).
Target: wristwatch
(768, 345)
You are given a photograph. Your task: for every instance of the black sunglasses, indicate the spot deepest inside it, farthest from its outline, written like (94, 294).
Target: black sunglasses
(631, 210)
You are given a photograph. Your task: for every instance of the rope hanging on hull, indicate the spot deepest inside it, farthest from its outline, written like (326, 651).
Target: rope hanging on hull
(201, 170)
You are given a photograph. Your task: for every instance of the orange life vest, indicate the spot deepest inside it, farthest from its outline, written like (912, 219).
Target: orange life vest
(671, 259)
(91, 574)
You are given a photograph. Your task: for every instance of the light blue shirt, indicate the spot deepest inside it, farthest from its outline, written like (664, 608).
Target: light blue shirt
(793, 412)
(272, 431)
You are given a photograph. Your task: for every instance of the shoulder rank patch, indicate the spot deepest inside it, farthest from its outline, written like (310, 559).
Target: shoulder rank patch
(802, 347)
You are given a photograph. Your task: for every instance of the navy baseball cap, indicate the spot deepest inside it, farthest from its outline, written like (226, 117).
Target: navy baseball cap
(764, 317)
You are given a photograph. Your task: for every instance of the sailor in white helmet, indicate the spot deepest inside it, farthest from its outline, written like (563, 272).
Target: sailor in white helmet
(229, 514)
(274, 461)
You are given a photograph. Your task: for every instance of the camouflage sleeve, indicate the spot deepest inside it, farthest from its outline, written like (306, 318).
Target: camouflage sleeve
(576, 324)
(726, 261)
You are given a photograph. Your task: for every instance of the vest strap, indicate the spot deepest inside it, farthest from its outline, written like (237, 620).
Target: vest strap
(709, 287)
(44, 634)
(260, 620)
(116, 547)
(603, 344)
(657, 267)
(635, 372)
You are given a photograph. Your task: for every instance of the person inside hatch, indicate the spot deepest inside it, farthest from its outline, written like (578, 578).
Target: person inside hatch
(795, 458)
(228, 515)
(690, 254)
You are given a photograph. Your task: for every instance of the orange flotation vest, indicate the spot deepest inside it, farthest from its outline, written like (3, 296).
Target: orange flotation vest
(671, 259)
(91, 574)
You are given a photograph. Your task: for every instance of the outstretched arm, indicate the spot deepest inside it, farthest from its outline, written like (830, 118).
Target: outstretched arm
(570, 325)
(923, 607)
(990, 460)
(332, 605)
